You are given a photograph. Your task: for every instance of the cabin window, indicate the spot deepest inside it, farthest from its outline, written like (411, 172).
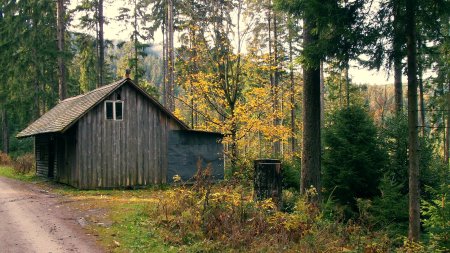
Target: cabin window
(119, 110)
(109, 109)
(114, 110)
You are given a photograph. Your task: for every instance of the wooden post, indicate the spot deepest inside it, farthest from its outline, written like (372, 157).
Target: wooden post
(268, 180)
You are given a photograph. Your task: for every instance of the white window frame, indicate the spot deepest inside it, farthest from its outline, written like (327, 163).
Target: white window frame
(114, 102)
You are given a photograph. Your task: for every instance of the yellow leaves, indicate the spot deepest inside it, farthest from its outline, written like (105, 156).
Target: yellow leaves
(176, 178)
(179, 114)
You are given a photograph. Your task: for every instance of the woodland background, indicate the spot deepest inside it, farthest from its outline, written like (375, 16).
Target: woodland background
(272, 76)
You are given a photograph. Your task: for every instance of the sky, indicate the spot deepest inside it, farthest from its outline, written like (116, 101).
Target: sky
(116, 31)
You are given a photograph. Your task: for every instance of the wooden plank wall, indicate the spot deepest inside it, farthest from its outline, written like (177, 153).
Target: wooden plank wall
(66, 156)
(41, 154)
(130, 152)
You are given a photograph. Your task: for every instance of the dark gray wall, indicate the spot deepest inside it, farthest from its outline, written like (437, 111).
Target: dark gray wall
(187, 147)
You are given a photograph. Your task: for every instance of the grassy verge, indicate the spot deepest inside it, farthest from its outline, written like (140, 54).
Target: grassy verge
(10, 173)
(120, 218)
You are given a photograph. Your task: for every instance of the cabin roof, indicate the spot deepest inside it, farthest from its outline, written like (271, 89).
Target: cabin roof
(69, 111)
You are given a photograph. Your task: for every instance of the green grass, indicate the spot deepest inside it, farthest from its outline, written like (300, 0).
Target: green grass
(9, 172)
(133, 230)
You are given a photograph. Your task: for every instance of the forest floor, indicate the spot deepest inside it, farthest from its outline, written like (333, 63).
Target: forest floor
(42, 216)
(34, 219)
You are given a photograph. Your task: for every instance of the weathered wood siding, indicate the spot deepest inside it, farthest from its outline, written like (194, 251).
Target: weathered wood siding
(41, 153)
(121, 153)
(66, 157)
(43, 146)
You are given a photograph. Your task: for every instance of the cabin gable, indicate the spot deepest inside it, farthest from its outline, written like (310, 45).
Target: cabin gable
(130, 151)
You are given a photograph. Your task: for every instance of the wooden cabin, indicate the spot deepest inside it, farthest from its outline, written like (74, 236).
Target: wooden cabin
(119, 136)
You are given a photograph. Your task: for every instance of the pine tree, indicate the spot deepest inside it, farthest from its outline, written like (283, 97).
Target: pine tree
(353, 158)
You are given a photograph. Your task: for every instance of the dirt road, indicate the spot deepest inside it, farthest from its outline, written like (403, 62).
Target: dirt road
(33, 220)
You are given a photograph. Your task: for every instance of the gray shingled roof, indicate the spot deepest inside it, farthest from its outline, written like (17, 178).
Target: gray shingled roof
(68, 111)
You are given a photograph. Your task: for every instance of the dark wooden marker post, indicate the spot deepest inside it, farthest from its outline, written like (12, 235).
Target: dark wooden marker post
(268, 180)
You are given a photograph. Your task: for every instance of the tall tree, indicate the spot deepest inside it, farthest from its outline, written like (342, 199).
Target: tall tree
(62, 87)
(413, 143)
(169, 88)
(101, 43)
(3, 94)
(5, 132)
(93, 19)
(138, 18)
(311, 148)
(397, 53)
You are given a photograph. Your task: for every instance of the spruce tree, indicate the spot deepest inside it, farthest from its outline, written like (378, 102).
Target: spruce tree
(353, 159)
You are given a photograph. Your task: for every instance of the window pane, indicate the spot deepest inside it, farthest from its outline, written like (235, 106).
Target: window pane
(109, 110)
(119, 110)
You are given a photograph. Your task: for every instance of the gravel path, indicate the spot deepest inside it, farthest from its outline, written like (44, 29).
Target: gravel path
(33, 220)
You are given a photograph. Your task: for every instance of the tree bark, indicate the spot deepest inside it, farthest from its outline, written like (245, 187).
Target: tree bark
(101, 44)
(276, 104)
(5, 131)
(397, 48)
(292, 97)
(322, 96)
(164, 56)
(413, 143)
(347, 85)
(234, 144)
(310, 175)
(62, 88)
(171, 57)
(135, 38)
(422, 105)
(447, 137)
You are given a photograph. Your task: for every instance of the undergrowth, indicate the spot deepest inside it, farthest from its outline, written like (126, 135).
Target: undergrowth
(22, 165)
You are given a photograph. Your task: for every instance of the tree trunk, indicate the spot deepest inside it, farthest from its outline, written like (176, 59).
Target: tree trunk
(164, 56)
(347, 84)
(5, 130)
(276, 103)
(398, 87)
(135, 38)
(234, 145)
(62, 88)
(37, 111)
(171, 58)
(322, 96)
(447, 137)
(422, 105)
(292, 90)
(397, 48)
(101, 44)
(413, 143)
(310, 175)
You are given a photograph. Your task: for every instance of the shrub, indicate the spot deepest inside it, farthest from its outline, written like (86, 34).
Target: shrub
(437, 218)
(291, 175)
(390, 210)
(5, 160)
(24, 164)
(394, 135)
(353, 158)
